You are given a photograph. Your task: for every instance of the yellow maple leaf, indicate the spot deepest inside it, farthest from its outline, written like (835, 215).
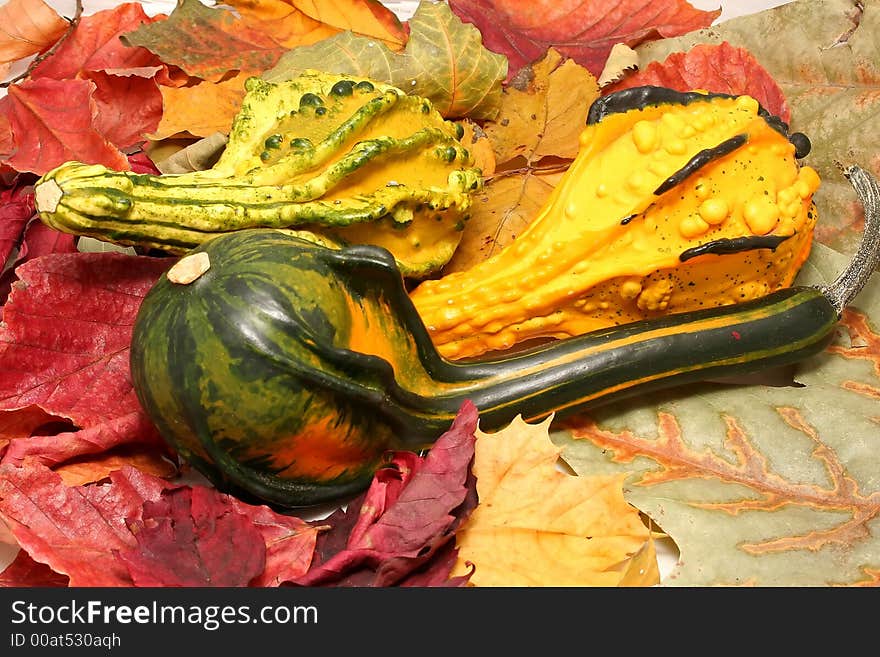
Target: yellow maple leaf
(538, 526)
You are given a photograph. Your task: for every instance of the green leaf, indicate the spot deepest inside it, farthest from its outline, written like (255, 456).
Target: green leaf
(444, 61)
(768, 485)
(206, 42)
(825, 55)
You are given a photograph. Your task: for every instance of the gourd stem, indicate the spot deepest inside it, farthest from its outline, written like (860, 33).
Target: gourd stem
(867, 257)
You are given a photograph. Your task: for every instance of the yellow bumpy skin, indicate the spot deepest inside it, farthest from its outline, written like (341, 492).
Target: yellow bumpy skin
(675, 202)
(351, 160)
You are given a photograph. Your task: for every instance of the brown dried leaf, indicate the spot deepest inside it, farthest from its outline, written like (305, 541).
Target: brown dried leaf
(543, 111)
(509, 201)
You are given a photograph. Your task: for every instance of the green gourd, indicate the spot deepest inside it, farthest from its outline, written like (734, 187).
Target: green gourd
(285, 370)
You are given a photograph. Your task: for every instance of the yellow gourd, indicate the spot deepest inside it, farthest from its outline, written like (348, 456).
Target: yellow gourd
(675, 202)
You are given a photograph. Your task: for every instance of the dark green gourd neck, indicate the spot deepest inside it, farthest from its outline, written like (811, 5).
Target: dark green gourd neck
(559, 377)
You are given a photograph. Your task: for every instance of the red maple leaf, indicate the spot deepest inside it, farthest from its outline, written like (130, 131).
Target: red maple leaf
(64, 348)
(720, 68)
(95, 46)
(408, 515)
(53, 121)
(76, 531)
(93, 96)
(16, 209)
(194, 537)
(139, 530)
(583, 30)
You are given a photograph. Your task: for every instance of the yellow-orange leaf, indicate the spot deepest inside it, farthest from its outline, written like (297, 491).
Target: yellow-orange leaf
(476, 141)
(642, 568)
(99, 466)
(543, 113)
(538, 526)
(26, 28)
(286, 24)
(200, 110)
(366, 17)
(293, 23)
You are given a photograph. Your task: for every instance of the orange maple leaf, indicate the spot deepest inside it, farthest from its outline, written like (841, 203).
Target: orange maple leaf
(201, 109)
(28, 27)
(293, 23)
(538, 526)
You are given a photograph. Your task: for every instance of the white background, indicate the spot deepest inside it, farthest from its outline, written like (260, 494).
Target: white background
(667, 553)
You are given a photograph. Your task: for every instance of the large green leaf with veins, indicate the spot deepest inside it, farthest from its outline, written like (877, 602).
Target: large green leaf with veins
(767, 485)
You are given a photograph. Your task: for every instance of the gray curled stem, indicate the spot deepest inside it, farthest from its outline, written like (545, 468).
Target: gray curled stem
(867, 257)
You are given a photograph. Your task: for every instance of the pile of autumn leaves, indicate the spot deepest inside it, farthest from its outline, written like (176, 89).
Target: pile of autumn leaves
(85, 486)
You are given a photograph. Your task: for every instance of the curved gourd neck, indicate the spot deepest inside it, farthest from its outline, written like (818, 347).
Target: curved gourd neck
(422, 394)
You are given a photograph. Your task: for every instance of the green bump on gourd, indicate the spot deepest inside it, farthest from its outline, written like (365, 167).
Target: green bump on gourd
(346, 158)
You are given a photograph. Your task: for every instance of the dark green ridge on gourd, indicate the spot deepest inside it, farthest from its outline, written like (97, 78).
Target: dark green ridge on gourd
(734, 245)
(701, 159)
(635, 98)
(271, 341)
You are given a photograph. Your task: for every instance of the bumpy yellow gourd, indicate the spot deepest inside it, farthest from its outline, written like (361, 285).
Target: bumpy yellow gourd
(675, 201)
(348, 159)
